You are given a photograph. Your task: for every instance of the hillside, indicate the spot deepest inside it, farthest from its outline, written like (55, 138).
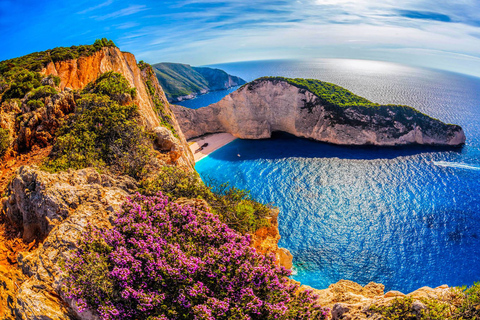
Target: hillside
(102, 215)
(80, 136)
(182, 81)
(316, 110)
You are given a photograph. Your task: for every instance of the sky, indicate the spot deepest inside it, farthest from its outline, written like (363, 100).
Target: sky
(431, 33)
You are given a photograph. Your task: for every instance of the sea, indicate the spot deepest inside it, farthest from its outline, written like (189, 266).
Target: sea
(405, 217)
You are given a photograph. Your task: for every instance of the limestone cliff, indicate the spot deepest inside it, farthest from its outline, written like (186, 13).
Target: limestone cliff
(34, 127)
(265, 240)
(349, 300)
(58, 208)
(183, 82)
(268, 105)
(77, 73)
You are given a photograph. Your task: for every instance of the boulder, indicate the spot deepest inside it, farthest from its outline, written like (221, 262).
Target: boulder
(58, 208)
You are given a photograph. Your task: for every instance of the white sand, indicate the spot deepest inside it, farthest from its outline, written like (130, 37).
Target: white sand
(215, 141)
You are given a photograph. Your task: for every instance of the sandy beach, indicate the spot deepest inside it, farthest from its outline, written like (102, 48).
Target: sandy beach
(215, 141)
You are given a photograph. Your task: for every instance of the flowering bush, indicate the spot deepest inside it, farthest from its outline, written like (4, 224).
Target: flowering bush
(235, 207)
(164, 261)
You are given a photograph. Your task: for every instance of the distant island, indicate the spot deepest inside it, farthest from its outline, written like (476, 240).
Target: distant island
(317, 110)
(183, 82)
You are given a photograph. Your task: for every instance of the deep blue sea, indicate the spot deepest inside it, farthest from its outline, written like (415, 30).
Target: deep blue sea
(404, 217)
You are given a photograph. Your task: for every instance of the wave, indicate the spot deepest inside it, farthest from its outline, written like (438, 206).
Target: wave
(455, 165)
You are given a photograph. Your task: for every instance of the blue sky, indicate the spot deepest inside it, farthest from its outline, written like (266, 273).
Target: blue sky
(431, 33)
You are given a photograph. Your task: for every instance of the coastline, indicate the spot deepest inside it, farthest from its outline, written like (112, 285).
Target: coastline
(215, 141)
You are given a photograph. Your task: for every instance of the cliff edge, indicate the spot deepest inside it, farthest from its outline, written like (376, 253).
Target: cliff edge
(183, 82)
(316, 110)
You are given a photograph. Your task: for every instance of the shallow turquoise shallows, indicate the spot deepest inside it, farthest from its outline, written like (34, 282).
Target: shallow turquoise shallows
(404, 217)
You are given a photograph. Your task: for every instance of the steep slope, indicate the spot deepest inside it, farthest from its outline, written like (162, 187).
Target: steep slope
(182, 81)
(43, 215)
(75, 74)
(315, 110)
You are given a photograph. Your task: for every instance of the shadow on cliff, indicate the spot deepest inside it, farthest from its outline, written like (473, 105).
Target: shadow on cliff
(283, 145)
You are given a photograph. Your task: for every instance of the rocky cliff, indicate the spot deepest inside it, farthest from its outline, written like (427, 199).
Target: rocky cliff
(77, 73)
(271, 104)
(55, 208)
(349, 300)
(36, 126)
(183, 82)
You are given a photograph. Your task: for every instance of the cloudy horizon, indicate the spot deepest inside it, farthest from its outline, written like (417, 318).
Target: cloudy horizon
(426, 33)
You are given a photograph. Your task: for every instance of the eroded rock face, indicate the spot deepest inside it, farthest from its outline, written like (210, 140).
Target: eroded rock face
(349, 300)
(262, 107)
(77, 73)
(58, 208)
(265, 240)
(39, 201)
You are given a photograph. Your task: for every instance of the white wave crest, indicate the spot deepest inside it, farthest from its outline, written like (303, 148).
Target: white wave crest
(455, 165)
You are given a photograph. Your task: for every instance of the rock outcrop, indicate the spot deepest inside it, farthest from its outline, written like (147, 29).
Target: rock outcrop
(268, 105)
(54, 210)
(349, 300)
(265, 240)
(35, 127)
(57, 208)
(77, 73)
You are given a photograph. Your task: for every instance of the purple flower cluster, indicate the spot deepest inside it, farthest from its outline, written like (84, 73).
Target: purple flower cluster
(165, 261)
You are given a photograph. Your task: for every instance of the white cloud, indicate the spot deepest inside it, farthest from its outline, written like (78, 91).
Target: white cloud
(123, 12)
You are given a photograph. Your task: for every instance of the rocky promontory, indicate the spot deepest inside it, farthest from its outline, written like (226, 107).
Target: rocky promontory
(183, 82)
(316, 110)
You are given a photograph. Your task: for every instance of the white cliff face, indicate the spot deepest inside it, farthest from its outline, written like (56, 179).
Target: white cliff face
(258, 109)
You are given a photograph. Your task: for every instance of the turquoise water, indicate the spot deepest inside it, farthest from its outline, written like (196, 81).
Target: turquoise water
(404, 217)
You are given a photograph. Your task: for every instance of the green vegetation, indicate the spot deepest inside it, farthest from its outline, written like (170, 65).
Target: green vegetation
(18, 82)
(35, 104)
(462, 304)
(328, 93)
(4, 141)
(103, 133)
(42, 92)
(164, 117)
(56, 79)
(112, 84)
(234, 207)
(19, 76)
(339, 101)
(37, 60)
(182, 80)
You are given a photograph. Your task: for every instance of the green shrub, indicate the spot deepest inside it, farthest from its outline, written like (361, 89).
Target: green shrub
(103, 134)
(399, 309)
(20, 82)
(235, 207)
(35, 104)
(43, 92)
(104, 42)
(142, 65)
(470, 307)
(4, 141)
(56, 79)
(112, 84)
(461, 304)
